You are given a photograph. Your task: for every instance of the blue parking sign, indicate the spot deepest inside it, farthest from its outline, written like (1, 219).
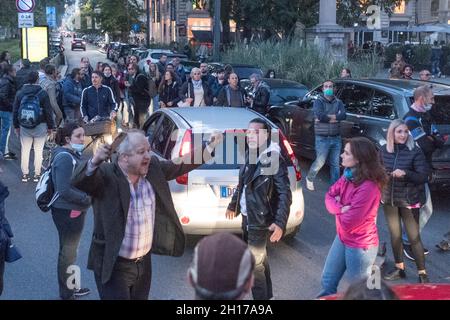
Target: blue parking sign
(136, 27)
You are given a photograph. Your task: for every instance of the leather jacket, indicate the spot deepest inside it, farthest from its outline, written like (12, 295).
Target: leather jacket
(268, 196)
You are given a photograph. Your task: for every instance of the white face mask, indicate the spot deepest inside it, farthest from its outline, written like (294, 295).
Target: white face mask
(428, 107)
(107, 74)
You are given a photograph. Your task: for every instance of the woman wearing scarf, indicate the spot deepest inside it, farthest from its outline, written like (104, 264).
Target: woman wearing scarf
(195, 92)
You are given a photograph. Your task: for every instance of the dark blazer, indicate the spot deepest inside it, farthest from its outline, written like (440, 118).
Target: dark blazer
(110, 193)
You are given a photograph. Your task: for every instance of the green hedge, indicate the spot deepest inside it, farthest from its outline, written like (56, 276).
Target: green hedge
(13, 46)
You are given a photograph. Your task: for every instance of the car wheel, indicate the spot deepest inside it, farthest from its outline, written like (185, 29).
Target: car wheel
(291, 233)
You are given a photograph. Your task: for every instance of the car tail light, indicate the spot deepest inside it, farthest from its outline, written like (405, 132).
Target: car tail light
(287, 145)
(184, 150)
(185, 220)
(149, 61)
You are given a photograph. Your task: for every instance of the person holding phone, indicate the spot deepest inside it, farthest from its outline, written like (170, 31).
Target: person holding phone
(264, 200)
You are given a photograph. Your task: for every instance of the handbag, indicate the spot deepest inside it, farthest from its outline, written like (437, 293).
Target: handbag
(12, 252)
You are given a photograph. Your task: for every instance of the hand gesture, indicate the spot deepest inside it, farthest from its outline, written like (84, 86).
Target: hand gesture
(215, 139)
(397, 173)
(277, 233)
(344, 209)
(102, 154)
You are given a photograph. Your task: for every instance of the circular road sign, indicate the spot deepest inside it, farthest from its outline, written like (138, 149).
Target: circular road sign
(25, 6)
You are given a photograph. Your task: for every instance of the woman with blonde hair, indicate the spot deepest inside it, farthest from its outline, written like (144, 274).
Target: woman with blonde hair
(403, 195)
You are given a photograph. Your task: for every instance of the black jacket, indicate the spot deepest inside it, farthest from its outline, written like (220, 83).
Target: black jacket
(22, 76)
(139, 89)
(114, 85)
(268, 197)
(261, 98)
(169, 93)
(223, 98)
(187, 91)
(7, 93)
(44, 101)
(410, 189)
(97, 102)
(5, 228)
(420, 126)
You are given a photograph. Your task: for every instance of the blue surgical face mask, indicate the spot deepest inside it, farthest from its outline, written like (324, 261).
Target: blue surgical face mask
(78, 147)
(328, 92)
(348, 174)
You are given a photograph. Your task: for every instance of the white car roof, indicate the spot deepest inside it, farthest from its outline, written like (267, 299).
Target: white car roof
(217, 118)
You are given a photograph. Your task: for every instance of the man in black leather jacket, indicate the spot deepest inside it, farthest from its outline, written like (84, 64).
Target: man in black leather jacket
(260, 94)
(264, 198)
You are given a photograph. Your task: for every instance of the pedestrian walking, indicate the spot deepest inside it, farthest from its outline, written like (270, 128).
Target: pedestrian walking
(32, 130)
(329, 111)
(49, 84)
(134, 187)
(403, 195)
(72, 90)
(354, 200)
(264, 200)
(222, 268)
(137, 84)
(7, 95)
(69, 209)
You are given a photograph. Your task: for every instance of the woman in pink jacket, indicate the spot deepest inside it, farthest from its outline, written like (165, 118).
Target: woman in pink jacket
(354, 200)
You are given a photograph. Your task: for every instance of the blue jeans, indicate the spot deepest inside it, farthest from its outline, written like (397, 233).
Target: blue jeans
(356, 261)
(326, 148)
(435, 67)
(6, 119)
(155, 102)
(424, 215)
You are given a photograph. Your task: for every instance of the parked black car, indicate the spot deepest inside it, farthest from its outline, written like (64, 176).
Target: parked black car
(281, 91)
(243, 71)
(371, 105)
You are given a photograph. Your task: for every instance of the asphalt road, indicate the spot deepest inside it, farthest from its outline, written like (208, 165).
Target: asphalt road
(296, 265)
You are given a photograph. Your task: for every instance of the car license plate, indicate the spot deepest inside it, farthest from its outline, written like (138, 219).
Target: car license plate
(226, 191)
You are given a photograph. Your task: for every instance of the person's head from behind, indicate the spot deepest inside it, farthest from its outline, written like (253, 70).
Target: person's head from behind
(26, 64)
(50, 71)
(97, 78)
(360, 156)
(43, 63)
(346, 73)
(258, 134)
(134, 153)
(222, 268)
(424, 97)
(362, 290)
(33, 77)
(425, 75)
(76, 74)
(398, 133)
(71, 136)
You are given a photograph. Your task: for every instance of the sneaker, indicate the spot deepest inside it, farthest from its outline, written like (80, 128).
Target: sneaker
(395, 274)
(309, 185)
(423, 278)
(9, 156)
(25, 178)
(408, 252)
(81, 292)
(36, 177)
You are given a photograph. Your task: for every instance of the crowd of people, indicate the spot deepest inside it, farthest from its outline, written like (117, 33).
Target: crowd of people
(136, 218)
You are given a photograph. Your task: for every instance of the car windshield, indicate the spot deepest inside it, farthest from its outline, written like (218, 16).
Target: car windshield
(246, 72)
(282, 95)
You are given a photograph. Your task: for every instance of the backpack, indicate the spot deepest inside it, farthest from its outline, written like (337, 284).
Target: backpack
(30, 111)
(45, 189)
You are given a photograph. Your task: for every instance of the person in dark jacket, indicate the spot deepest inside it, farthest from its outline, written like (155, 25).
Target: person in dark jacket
(232, 95)
(137, 84)
(168, 91)
(260, 95)
(7, 94)
(72, 90)
(69, 209)
(420, 124)
(134, 215)
(219, 83)
(329, 111)
(404, 195)
(264, 200)
(22, 73)
(36, 136)
(195, 92)
(110, 81)
(5, 231)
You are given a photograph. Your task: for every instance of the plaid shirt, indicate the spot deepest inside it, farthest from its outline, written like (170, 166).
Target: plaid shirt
(138, 238)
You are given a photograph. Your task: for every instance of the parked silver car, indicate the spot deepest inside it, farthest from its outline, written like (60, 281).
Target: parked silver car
(202, 196)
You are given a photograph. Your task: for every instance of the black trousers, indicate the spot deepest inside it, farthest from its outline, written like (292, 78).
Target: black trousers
(410, 218)
(257, 243)
(130, 280)
(69, 232)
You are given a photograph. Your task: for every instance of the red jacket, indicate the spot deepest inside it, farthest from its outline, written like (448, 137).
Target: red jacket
(356, 228)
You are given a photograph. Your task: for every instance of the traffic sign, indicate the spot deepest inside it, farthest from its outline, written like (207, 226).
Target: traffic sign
(25, 6)
(51, 16)
(136, 27)
(26, 20)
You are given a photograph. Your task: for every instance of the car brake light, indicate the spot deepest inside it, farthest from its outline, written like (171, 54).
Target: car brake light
(185, 220)
(287, 145)
(184, 150)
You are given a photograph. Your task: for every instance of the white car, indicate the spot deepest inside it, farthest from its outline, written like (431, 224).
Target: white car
(201, 197)
(152, 55)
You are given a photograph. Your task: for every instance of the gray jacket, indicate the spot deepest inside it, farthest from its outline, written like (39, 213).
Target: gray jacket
(70, 197)
(322, 108)
(49, 85)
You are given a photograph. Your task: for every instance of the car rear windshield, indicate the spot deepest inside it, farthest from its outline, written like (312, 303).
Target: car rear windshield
(282, 95)
(246, 72)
